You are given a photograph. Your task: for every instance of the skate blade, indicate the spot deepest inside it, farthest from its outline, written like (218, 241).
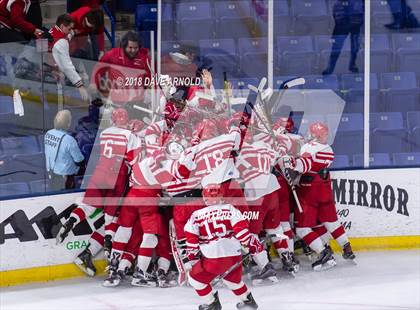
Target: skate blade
(89, 272)
(142, 284)
(167, 284)
(328, 265)
(111, 284)
(267, 281)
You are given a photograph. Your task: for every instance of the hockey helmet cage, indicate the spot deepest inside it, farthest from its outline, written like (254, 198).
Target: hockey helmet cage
(119, 117)
(319, 132)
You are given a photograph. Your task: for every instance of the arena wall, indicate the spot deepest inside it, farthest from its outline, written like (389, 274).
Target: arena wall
(380, 209)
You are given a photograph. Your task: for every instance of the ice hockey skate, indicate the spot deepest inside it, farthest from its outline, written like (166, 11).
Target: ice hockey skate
(114, 279)
(163, 279)
(248, 304)
(289, 265)
(267, 275)
(215, 305)
(143, 279)
(325, 260)
(85, 262)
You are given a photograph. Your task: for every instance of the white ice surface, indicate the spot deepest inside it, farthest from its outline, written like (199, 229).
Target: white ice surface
(380, 280)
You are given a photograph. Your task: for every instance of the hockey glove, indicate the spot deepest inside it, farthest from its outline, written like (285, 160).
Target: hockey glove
(65, 229)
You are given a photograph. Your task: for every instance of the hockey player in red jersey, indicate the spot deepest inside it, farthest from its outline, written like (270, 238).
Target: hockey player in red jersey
(262, 191)
(215, 235)
(109, 180)
(316, 197)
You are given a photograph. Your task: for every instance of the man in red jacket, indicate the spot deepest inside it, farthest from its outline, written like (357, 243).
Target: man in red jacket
(88, 22)
(13, 24)
(121, 72)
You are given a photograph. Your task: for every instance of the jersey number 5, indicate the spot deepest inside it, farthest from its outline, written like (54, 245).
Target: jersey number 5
(108, 149)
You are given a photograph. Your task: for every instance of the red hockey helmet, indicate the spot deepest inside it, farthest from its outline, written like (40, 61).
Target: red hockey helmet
(212, 194)
(319, 132)
(120, 117)
(135, 125)
(207, 129)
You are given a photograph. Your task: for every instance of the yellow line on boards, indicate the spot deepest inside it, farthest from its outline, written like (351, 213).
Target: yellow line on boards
(46, 273)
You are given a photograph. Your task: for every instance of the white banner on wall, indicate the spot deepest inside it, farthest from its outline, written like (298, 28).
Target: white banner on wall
(28, 228)
(373, 203)
(370, 203)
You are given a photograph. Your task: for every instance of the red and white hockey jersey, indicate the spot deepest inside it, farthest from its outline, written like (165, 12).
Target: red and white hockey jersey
(155, 135)
(217, 231)
(212, 160)
(314, 156)
(117, 145)
(255, 163)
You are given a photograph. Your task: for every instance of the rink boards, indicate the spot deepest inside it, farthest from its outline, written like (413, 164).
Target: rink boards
(380, 209)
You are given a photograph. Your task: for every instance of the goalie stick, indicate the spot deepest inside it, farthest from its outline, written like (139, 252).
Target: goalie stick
(182, 272)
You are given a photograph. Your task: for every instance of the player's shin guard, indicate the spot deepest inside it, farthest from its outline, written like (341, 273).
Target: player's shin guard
(323, 233)
(96, 242)
(205, 291)
(145, 254)
(337, 231)
(287, 230)
(310, 238)
(239, 289)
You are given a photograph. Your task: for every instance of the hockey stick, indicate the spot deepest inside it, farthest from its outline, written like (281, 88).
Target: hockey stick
(226, 89)
(244, 257)
(182, 276)
(270, 131)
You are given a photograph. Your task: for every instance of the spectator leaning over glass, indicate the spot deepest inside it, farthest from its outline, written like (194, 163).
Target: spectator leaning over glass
(59, 46)
(62, 154)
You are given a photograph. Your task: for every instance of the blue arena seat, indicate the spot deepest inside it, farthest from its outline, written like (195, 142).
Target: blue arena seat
(240, 86)
(406, 159)
(221, 53)
(349, 135)
(413, 120)
(353, 88)
(39, 186)
(234, 19)
(381, 14)
(323, 45)
(322, 82)
(407, 51)
(310, 17)
(400, 91)
(175, 46)
(32, 164)
(146, 13)
(375, 160)
(6, 105)
(388, 133)
(193, 16)
(306, 121)
(340, 161)
(296, 55)
(282, 17)
(413, 125)
(381, 59)
(12, 189)
(20, 145)
(253, 56)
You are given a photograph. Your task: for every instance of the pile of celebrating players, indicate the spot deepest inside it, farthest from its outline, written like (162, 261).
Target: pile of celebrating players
(215, 194)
